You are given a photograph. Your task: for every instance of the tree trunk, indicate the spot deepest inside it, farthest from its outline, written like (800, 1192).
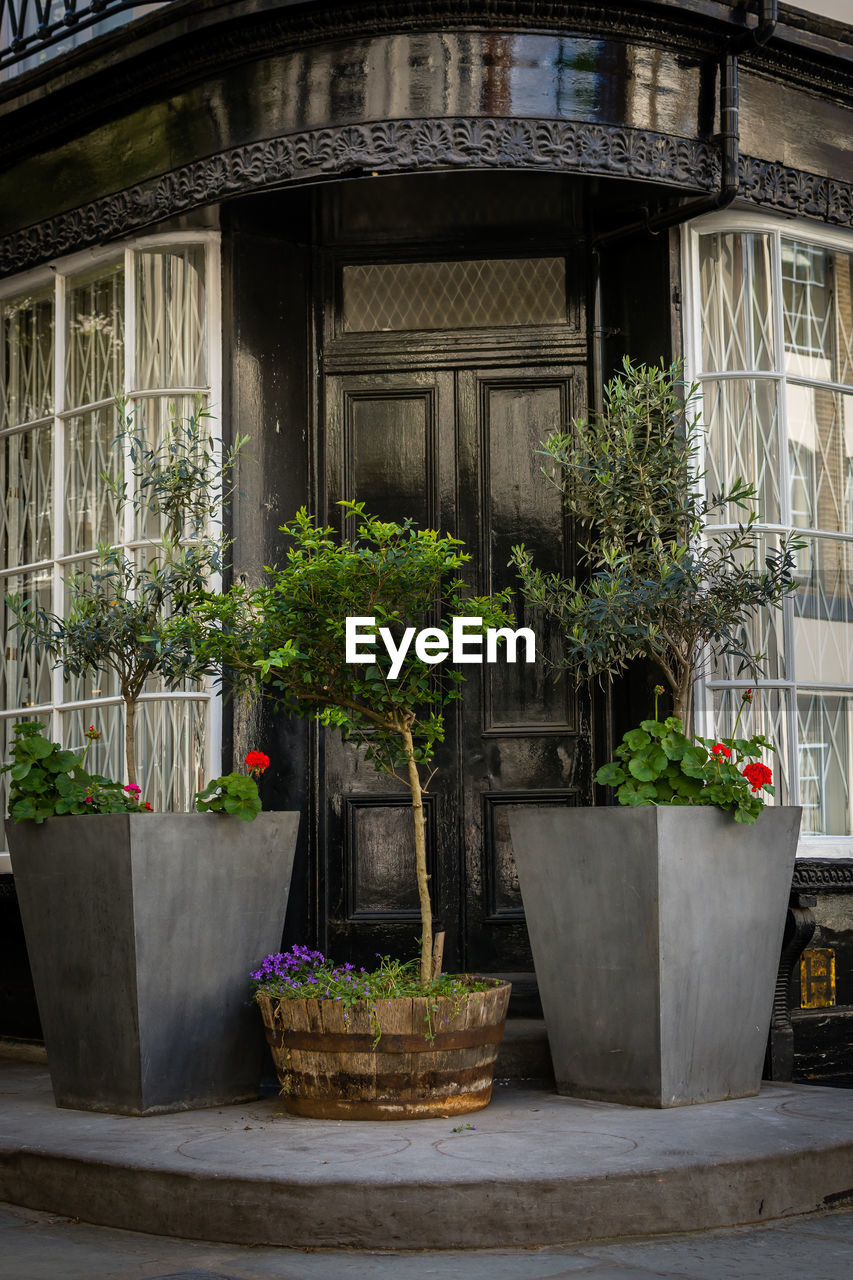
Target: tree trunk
(682, 699)
(129, 741)
(420, 854)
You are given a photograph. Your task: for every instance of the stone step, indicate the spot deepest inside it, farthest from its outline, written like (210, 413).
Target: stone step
(524, 1052)
(532, 1168)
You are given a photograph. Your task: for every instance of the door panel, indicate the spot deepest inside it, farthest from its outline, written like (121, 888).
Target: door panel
(520, 504)
(389, 443)
(389, 450)
(524, 739)
(381, 859)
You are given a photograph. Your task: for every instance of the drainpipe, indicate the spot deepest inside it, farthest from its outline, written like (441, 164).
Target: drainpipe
(729, 157)
(729, 138)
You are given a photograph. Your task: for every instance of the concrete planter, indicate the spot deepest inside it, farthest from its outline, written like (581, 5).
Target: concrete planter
(141, 932)
(656, 935)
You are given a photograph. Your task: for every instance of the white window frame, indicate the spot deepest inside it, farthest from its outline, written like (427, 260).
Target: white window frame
(727, 221)
(56, 273)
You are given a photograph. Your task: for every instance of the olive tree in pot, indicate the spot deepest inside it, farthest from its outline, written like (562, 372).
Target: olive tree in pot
(402, 1041)
(140, 925)
(664, 917)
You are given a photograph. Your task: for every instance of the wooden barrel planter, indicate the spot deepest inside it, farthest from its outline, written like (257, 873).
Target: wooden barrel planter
(332, 1067)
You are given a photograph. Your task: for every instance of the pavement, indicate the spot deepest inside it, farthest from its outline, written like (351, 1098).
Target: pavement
(533, 1169)
(39, 1246)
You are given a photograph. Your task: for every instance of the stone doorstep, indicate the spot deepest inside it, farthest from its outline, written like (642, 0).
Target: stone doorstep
(531, 1169)
(523, 1053)
(18, 1050)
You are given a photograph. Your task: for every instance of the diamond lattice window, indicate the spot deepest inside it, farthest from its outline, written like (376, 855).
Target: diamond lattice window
(773, 350)
(488, 293)
(58, 426)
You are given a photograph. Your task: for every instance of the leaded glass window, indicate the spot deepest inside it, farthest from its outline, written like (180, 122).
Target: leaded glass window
(480, 293)
(772, 342)
(135, 323)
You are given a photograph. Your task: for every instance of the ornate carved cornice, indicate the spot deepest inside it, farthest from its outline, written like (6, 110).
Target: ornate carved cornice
(408, 146)
(830, 875)
(807, 195)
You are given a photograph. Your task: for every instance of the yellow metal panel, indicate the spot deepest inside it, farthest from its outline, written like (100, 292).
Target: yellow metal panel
(817, 978)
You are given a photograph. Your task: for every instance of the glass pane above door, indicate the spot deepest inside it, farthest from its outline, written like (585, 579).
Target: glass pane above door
(489, 293)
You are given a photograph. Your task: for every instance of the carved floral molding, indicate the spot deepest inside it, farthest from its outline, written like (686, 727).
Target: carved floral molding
(407, 146)
(815, 876)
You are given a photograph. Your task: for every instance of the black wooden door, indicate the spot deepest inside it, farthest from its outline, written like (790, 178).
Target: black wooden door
(455, 448)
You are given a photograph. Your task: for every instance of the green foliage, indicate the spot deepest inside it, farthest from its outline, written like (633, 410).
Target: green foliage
(46, 781)
(658, 764)
(117, 611)
(181, 484)
(657, 581)
(233, 793)
(301, 974)
(287, 638)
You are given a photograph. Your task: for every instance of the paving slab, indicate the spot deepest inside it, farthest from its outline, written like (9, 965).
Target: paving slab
(533, 1168)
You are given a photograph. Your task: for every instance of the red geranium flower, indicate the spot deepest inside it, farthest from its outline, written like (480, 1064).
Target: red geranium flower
(256, 762)
(757, 775)
(719, 750)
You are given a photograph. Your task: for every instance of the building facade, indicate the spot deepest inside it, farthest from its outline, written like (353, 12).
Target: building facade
(395, 244)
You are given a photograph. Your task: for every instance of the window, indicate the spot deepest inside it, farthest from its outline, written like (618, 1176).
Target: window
(47, 33)
(772, 346)
(484, 293)
(137, 321)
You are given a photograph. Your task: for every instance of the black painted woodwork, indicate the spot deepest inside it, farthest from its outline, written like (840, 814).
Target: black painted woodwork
(267, 395)
(815, 1044)
(443, 426)
(18, 1009)
(181, 114)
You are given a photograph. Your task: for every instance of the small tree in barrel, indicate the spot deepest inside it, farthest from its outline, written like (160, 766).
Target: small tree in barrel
(287, 639)
(117, 611)
(660, 581)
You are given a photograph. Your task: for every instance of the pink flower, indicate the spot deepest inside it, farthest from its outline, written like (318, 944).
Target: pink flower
(133, 789)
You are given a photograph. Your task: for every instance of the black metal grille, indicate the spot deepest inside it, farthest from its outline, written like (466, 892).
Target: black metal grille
(28, 26)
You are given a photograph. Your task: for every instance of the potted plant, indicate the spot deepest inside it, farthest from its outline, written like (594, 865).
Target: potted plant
(140, 925)
(404, 1040)
(656, 927)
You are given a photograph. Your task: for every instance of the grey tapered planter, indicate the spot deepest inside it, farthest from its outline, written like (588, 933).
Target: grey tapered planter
(656, 935)
(141, 931)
